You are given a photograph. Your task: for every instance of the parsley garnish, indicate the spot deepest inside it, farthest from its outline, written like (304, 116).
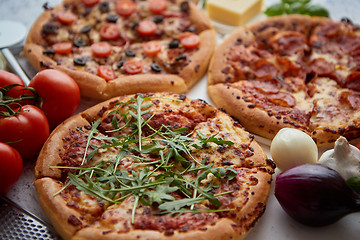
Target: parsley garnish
(153, 180)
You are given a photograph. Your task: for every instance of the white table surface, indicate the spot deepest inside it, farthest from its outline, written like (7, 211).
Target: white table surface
(275, 224)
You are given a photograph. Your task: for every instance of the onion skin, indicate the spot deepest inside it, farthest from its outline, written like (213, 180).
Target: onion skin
(315, 195)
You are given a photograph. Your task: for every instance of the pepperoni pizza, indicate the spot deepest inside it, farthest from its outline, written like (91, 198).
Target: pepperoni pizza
(291, 71)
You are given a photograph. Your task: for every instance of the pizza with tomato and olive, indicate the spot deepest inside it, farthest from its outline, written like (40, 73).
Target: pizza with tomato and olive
(291, 71)
(116, 47)
(152, 166)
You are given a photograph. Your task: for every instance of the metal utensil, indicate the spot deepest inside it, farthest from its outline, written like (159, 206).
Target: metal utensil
(11, 33)
(16, 223)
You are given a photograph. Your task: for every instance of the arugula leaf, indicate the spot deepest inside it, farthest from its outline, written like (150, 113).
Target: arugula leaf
(354, 183)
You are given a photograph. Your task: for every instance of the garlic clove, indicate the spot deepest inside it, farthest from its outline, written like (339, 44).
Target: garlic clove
(291, 147)
(344, 158)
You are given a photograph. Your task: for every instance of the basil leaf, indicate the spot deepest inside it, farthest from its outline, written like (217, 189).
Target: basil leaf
(316, 10)
(275, 9)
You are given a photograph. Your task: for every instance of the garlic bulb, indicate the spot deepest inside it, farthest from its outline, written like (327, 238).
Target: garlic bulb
(291, 147)
(344, 158)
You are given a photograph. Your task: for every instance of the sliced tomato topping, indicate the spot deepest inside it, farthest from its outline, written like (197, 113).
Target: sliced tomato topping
(189, 40)
(62, 47)
(90, 3)
(152, 48)
(101, 49)
(125, 8)
(146, 28)
(106, 72)
(157, 6)
(133, 66)
(109, 31)
(66, 17)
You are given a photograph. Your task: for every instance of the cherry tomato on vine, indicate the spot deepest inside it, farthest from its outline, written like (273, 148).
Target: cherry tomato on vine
(11, 166)
(60, 95)
(26, 131)
(7, 78)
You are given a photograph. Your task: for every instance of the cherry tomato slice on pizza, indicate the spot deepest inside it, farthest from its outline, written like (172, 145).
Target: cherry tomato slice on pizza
(152, 48)
(60, 95)
(11, 165)
(66, 17)
(90, 3)
(26, 131)
(101, 49)
(133, 66)
(146, 28)
(157, 6)
(106, 72)
(189, 40)
(109, 31)
(62, 47)
(125, 8)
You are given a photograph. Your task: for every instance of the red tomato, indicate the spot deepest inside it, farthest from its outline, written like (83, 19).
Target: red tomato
(152, 48)
(62, 47)
(66, 17)
(101, 49)
(189, 40)
(60, 95)
(90, 3)
(106, 72)
(157, 6)
(125, 8)
(7, 78)
(26, 132)
(146, 28)
(109, 31)
(133, 67)
(11, 166)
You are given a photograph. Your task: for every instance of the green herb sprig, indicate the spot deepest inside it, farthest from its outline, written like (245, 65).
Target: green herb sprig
(296, 7)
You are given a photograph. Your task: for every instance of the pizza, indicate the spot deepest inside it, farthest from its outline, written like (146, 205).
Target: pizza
(152, 166)
(291, 71)
(117, 47)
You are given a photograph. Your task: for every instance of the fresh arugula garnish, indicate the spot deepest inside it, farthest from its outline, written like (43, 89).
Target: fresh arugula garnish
(296, 7)
(153, 179)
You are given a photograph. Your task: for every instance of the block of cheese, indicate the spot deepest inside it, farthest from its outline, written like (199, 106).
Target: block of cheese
(233, 12)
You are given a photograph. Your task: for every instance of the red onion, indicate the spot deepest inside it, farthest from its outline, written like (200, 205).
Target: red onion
(315, 195)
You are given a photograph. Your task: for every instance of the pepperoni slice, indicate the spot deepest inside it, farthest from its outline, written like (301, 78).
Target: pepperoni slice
(146, 28)
(152, 48)
(157, 6)
(90, 3)
(62, 47)
(125, 8)
(133, 67)
(106, 72)
(101, 49)
(353, 81)
(321, 67)
(282, 99)
(189, 40)
(66, 17)
(109, 31)
(264, 69)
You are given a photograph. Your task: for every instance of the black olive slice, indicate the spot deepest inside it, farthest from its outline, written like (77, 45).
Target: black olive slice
(85, 29)
(174, 44)
(81, 61)
(49, 28)
(130, 53)
(155, 67)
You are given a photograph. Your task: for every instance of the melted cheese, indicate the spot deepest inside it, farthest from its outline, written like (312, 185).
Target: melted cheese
(233, 12)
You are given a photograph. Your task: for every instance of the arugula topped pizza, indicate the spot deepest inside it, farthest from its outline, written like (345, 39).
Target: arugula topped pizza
(152, 166)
